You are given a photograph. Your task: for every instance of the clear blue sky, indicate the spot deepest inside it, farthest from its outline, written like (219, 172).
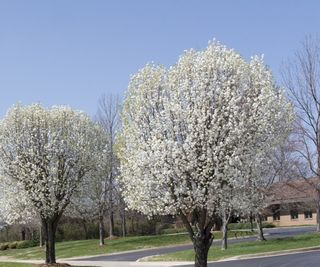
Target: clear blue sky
(71, 52)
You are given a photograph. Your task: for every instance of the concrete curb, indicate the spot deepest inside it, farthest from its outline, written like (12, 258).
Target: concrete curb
(271, 254)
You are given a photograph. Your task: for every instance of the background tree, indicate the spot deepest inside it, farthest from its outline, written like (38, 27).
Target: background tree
(15, 208)
(108, 118)
(47, 153)
(301, 77)
(90, 200)
(189, 130)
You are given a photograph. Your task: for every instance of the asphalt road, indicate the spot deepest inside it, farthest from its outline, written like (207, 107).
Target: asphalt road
(305, 259)
(134, 256)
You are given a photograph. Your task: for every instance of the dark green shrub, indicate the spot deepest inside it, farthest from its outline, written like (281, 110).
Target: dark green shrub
(4, 246)
(268, 225)
(13, 245)
(27, 244)
(173, 231)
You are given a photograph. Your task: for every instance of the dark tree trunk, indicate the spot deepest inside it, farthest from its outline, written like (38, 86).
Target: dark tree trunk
(201, 243)
(50, 227)
(85, 229)
(101, 230)
(123, 223)
(202, 237)
(111, 223)
(251, 221)
(318, 209)
(260, 235)
(23, 233)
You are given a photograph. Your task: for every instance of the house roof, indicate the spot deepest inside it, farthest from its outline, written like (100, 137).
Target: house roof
(298, 190)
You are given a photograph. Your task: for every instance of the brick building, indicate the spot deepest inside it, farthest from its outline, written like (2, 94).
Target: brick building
(292, 203)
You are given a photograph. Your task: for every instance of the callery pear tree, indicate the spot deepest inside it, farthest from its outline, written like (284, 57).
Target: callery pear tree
(47, 153)
(191, 129)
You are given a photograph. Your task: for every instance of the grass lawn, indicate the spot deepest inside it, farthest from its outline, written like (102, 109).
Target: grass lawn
(300, 241)
(91, 247)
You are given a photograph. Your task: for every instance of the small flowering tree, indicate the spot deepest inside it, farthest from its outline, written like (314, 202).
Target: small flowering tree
(46, 153)
(191, 129)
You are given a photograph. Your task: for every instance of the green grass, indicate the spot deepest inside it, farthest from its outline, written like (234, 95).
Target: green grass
(301, 241)
(70, 249)
(91, 247)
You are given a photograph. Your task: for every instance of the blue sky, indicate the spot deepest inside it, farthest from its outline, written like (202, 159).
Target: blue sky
(71, 52)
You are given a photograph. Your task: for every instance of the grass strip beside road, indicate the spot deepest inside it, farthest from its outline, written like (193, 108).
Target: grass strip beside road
(91, 247)
(245, 248)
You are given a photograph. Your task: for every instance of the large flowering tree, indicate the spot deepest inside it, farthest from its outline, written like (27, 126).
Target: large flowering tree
(190, 130)
(47, 153)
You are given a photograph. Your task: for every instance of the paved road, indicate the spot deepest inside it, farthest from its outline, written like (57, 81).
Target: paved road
(134, 256)
(305, 259)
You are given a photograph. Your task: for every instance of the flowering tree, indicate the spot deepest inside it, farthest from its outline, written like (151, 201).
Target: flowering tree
(46, 153)
(190, 130)
(14, 206)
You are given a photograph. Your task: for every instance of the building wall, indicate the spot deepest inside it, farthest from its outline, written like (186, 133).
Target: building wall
(285, 220)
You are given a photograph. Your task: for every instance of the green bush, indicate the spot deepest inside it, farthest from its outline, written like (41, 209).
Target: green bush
(173, 231)
(13, 245)
(27, 244)
(4, 246)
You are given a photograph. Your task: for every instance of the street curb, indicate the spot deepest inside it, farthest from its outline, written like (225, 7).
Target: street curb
(270, 254)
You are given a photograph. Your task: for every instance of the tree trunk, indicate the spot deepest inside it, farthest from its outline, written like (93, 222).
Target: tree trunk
(318, 209)
(123, 223)
(85, 229)
(251, 221)
(111, 223)
(202, 238)
(50, 227)
(260, 236)
(23, 233)
(101, 230)
(40, 236)
(201, 244)
(224, 241)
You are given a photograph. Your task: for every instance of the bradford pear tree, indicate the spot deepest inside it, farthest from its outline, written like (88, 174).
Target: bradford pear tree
(190, 129)
(47, 153)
